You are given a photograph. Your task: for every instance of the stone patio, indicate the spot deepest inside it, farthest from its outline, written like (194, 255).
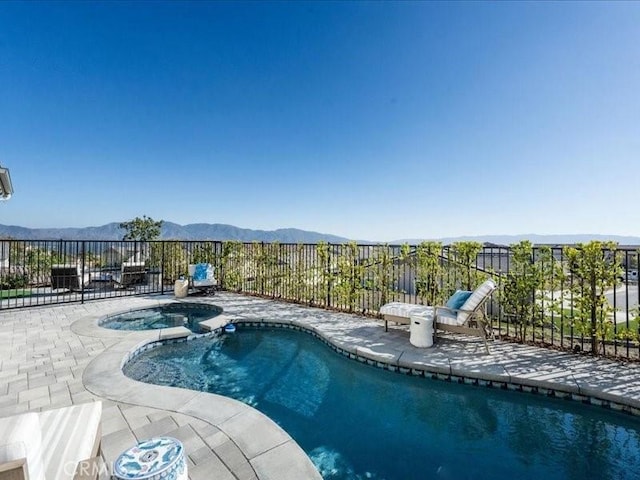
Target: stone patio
(56, 356)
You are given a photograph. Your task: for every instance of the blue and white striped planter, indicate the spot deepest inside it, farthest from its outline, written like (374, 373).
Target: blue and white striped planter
(160, 458)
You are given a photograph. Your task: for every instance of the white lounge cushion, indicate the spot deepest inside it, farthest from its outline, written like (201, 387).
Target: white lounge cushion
(133, 265)
(448, 317)
(208, 282)
(401, 309)
(21, 439)
(69, 435)
(477, 297)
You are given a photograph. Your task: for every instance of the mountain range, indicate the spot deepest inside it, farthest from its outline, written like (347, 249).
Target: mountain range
(172, 231)
(221, 232)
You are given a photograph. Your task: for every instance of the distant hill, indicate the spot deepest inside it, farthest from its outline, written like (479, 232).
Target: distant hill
(172, 231)
(533, 238)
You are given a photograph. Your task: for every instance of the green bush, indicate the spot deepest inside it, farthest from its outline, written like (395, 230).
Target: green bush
(14, 280)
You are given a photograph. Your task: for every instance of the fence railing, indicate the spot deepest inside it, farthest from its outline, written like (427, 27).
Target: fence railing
(350, 277)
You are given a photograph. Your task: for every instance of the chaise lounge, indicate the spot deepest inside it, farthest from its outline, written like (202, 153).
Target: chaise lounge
(202, 279)
(68, 277)
(130, 274)
(463, 312)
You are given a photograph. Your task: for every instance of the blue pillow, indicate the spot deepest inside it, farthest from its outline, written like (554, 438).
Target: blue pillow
(200, 272)
(457, 299)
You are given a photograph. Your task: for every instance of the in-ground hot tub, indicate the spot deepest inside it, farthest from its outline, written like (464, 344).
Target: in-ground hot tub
(176, 314)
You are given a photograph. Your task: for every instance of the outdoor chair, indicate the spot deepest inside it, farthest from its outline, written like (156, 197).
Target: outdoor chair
(202, 279)
(68, 277)
(463, 312)
(130, 274)
(60, 444)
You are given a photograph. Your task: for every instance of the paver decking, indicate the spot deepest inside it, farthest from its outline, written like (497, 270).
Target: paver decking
(56, 356)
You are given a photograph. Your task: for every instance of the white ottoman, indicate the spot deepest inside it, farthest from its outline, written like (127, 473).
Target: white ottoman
(181, 288)
(421, 330)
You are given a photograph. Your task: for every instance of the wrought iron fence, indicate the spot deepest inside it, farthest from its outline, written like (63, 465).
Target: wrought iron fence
(349, 277)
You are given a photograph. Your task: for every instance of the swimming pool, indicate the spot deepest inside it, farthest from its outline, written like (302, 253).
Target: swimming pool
(176, 314)
(356, 421)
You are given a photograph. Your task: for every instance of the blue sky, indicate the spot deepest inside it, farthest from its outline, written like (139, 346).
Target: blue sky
(376, 121)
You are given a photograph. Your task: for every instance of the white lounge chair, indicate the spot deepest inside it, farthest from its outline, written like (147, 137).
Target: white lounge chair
(202, 278)
(68, 277)
(463, 313)
(60, 444)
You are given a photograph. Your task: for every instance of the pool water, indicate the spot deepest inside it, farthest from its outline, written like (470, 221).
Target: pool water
(360, 422)
(178, 314)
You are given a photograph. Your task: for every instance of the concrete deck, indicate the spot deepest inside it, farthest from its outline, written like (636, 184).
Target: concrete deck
(56, 356)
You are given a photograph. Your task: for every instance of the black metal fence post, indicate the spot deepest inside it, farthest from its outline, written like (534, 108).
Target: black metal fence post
(82, 270)
(162, 267)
